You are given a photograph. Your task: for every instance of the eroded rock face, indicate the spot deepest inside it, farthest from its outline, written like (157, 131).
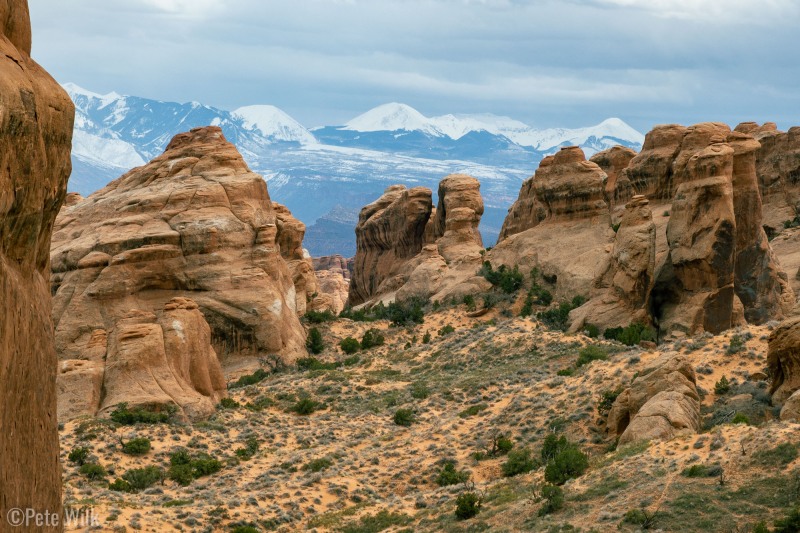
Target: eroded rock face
(36, 118)
(618, 189)
(619, 296)
(390, 231)
(290, 240)
(457, 215)
(650, 172)
(148, 360)
(569, 187)
(759, 282)
(660, 404)
(695, 288)
(783, 360)
(195, 222)
(560, 224)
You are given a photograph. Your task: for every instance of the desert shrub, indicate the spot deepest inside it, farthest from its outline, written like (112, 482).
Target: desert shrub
(606, 401)
(736, 345)
(318, 317)
(468, 504)
(79, 455)
(789, 524)
(93, 471)
(553, 496)
(420, 390)
(591, 331)
(360, 315)
(249, 450)
(760, 527)
(553, 445)
(558, 317)
(449, 475)
(781, 455)
(305, 406)
(591, 353)
(140, 415)
(631, 335)
(469, 301)
(250, 379)
(722, 386)
(508, 280)
(426, 339)
(501, 445)
(185, 468)
(741, 418)
(228, 403)
(566, 372)
(404, 313)
(371, 338)
(375, 523)
(519, 462)
(137, 446)
(138, 479)
(314, 342)
(640, 517)
(312, 363)
(702, 471)
(446, 330)
(245, 529)
(404, 417)
(564, 459)
(318, 465)
(349, 345)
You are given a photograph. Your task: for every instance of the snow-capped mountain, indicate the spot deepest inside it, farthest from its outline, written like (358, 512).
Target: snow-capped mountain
(316, 172)
(273, 124)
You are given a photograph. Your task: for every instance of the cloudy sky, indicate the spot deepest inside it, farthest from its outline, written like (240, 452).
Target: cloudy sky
(546, 62)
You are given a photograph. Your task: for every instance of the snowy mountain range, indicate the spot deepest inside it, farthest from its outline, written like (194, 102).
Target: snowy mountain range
(326, 174)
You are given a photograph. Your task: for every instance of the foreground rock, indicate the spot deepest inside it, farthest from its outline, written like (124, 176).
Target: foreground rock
(660, 404)
(620, 295)
(36, 117)
(193, 223)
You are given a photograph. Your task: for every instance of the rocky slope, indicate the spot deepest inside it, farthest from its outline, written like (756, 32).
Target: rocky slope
(194, 223)
(36, 120)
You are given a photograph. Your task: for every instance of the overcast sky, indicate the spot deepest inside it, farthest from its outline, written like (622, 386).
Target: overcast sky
(548, 63)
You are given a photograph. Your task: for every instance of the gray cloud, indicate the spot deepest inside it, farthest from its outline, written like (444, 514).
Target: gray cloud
(546, 62)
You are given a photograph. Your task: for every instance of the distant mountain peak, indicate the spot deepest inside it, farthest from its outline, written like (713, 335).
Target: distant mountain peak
(74, 90)
(392, 117)
(274, 124)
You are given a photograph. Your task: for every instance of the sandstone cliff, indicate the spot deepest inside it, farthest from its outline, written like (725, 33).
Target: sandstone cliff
(560, 224)
(36, 118)
(196, 223)
(618, 188)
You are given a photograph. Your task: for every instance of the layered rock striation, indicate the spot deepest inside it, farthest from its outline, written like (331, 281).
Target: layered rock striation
(36, 119)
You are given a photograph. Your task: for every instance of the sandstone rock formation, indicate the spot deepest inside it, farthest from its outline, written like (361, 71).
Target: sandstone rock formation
(661, 403)
(620, 295)
(290, 240)
(650, 172)
(694, 289)
(618, 189)
(778, 168)
(36, 117)
(407, 248)
(390, 231)
(457, 215)
(759, 282)
(333, 279)
(560, 224)
(196, 223)
(783, 360)
(149, 361)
